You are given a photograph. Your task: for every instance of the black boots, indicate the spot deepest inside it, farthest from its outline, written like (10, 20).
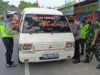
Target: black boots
(76, 61)
(82, 52)
(98, 66)
(86, 60)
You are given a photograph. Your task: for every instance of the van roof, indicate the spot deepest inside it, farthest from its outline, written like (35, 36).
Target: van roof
(41, 11)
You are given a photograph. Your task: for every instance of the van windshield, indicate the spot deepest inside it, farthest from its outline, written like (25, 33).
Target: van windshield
(45, 24)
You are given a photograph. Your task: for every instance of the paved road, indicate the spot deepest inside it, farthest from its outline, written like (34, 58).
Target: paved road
(19, 70)
(48, 68)
(63, 68)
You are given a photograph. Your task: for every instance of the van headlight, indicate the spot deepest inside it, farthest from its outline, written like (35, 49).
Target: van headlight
(24, 46)
(68, 45)
(27, 46)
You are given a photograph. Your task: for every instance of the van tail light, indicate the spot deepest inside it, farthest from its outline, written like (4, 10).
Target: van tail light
(68, 45)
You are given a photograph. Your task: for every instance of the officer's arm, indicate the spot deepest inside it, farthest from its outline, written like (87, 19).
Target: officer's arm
(9, 29)
(95, 38)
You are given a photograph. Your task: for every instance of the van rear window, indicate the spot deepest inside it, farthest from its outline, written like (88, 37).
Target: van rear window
(45, 24)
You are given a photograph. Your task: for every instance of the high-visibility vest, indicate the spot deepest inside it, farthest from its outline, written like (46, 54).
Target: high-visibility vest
(99, 24)
(4, 31)
(83, 29)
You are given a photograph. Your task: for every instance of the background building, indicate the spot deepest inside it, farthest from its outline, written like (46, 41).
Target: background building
(87, 8)
(68, 8)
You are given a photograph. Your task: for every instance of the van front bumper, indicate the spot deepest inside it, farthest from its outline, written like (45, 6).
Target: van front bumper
(38, 56)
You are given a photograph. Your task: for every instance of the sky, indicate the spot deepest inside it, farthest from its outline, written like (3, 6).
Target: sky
(44, 3)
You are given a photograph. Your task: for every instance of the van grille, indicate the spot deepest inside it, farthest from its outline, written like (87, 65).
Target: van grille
(49, 46)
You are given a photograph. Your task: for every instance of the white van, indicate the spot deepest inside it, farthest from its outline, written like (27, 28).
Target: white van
(44, 35)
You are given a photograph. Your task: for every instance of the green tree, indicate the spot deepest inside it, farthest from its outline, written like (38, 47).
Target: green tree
(24, 4)
(3, 6)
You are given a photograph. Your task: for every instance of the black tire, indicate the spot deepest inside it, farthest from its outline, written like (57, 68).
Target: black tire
(18, 59)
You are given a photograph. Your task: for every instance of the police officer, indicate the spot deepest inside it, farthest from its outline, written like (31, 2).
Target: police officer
(74, 24)
(83, 29)
(7, 38)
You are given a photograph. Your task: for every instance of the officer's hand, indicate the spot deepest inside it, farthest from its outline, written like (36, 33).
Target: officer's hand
(13, 26)
(93, 43)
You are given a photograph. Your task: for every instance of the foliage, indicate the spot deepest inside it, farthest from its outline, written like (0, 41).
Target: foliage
(3, 6)
(24, 4)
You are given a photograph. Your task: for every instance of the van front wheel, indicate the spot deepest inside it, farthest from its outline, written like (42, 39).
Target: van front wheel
(19, 60)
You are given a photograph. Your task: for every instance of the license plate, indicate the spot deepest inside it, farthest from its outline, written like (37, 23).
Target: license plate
(50, 56)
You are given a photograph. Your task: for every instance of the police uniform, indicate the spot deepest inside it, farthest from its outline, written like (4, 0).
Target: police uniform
(83, 30)
(7, 38)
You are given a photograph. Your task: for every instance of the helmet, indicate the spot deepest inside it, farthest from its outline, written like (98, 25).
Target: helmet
(10, 12)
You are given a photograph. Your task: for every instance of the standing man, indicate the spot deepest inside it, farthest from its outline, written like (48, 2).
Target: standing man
(96, 44)
(7, 38)
(90, 35)
(83, 34)
(76, 31)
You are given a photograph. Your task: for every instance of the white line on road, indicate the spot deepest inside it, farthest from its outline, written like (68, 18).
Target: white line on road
(27, 70)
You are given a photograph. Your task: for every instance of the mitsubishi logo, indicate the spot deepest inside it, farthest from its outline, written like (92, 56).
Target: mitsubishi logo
(50, 46)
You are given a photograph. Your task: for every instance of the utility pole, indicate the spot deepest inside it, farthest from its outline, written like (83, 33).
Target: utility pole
(99, 3)
(65, 1)
(37, 3)
(79, 10)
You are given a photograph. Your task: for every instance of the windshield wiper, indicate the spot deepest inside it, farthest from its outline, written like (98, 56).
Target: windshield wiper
(34, 31)
(29, 27)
